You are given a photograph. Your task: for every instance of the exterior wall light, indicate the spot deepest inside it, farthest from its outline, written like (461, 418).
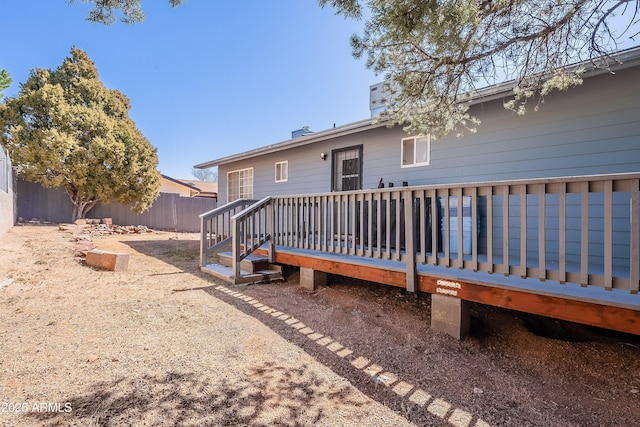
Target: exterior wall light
(323, 156)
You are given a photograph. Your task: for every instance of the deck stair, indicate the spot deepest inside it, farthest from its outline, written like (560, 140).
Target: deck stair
(253, 269)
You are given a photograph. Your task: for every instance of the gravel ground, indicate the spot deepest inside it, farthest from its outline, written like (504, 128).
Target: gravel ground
(163, 344)
(148, 346)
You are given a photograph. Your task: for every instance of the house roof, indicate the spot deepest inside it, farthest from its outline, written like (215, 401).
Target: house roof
(620, 60)
(297, 142)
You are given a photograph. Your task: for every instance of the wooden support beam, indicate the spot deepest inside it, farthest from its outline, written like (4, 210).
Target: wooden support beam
(589, 313)
(372, 274)
(592, 313)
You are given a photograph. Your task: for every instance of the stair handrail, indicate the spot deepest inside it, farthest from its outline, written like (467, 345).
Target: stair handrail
(245, 243)
(211, 239)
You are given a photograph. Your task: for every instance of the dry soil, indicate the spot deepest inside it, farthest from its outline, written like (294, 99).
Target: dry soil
(163, 344)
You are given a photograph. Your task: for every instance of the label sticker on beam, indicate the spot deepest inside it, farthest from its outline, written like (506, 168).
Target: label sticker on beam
(448, 287)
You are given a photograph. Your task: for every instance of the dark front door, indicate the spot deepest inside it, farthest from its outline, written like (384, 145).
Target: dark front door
(347, 169)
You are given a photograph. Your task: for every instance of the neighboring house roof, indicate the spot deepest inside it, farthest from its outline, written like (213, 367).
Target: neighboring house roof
(179, 182)
(206, 188)
(196, 188)
(624, 59)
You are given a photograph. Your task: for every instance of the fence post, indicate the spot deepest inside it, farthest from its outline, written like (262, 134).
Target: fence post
(409, 235)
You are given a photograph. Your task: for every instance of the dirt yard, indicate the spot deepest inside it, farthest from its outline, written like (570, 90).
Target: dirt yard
(162, 344)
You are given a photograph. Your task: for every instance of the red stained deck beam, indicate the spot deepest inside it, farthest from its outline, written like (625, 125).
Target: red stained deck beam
(558, 307)
(589, 313)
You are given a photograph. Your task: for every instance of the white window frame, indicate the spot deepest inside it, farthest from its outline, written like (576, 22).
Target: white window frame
(413, 153)
(244, 185)
(283, 175)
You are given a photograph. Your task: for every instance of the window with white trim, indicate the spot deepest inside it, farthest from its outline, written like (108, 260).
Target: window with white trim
(416, 151)
(240, 184)
(282, 171)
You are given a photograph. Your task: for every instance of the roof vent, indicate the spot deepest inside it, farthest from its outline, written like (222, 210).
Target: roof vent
(301, 132)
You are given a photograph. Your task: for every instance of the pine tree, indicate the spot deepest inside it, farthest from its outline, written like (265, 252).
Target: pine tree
(434, 54)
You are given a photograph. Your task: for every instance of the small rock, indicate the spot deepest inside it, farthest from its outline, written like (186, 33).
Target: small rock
(5, 282)
(635, 391)
(477, 390)
(93, 358)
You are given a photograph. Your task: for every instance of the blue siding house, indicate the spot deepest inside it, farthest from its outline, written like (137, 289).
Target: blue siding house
(537, 213)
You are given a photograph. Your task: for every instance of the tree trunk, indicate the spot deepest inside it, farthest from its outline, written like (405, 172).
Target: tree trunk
(81, 205)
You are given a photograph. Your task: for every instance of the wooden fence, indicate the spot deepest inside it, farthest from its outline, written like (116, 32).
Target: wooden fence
(169, 212)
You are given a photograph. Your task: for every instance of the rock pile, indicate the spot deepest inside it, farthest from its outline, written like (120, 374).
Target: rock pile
(103, 229)
(83, 230)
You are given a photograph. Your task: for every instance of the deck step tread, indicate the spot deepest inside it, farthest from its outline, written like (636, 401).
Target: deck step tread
(226, 273)
(252, 263)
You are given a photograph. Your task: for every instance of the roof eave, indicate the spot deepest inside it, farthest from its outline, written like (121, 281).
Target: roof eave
(618, 61)
(311, 138)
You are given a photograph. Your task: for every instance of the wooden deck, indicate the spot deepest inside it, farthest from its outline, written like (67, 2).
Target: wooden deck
(567, 248)
(614, 310)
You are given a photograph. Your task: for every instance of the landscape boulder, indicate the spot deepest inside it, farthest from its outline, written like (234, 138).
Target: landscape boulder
(107, 260)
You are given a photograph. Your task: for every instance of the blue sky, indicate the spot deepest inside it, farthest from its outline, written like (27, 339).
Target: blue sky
(206, 79)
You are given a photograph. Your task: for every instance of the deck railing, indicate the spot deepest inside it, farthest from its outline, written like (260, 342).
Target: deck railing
(251, 229)
(216, 226)
(583, 230)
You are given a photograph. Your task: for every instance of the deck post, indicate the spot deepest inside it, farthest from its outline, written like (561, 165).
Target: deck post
(270, 212)
(203, 242)
(409, 231)
(450, 315)
(235, 247)
(310, 279)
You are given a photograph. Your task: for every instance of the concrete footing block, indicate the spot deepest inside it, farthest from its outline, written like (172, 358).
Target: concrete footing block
(450, 315)
(107, 260)
(311, 279)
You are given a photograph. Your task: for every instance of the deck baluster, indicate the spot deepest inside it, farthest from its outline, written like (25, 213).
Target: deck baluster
(435, 225)
(608, 235)
(522, 189)
(542, 219)
(506, 263)
(584, 233)
(562, 234)
(634, 243)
